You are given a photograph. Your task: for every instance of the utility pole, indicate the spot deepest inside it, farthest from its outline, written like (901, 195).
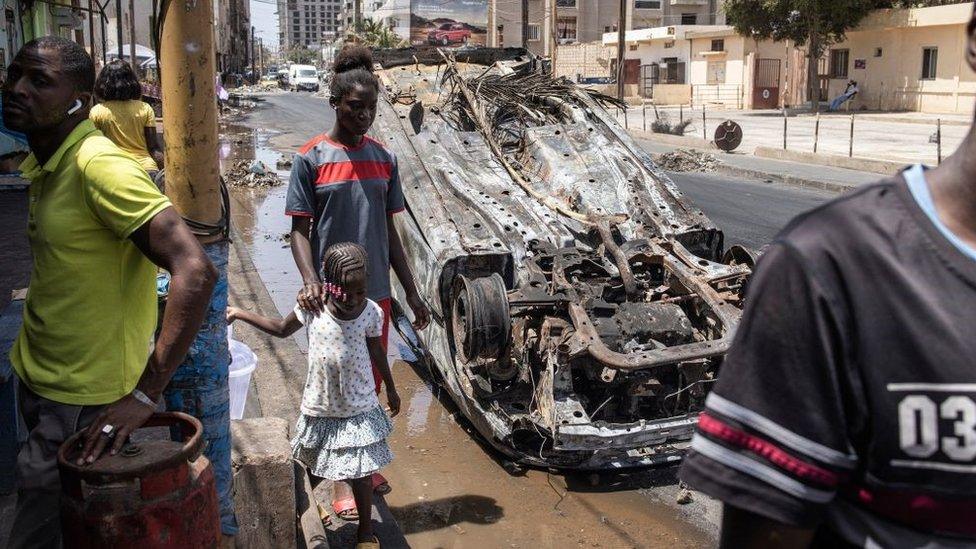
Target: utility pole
(621, 48)
(253, 74)
(190, 115)
(132, 36)
(525, 24)
(118, 26)
(91, 28)
(261, 54)
(194, 187)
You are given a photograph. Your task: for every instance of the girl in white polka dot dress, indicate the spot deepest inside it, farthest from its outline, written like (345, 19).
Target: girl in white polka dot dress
(341, 434)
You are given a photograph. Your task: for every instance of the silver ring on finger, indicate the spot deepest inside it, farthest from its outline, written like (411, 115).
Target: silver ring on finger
(108, 431)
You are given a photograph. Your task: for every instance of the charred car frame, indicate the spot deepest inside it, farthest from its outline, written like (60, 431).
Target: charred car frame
(582, 306)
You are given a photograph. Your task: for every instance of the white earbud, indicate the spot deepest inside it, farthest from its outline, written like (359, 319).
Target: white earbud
(77, 106)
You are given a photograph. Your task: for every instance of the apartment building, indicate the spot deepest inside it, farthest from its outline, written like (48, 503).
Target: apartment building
(573, 21)
(307, 23)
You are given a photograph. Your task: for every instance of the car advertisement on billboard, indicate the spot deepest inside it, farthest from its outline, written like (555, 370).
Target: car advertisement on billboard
(449, 23)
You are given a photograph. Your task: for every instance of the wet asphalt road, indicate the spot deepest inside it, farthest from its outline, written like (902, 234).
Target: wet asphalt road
(750, 212)
(450, 490)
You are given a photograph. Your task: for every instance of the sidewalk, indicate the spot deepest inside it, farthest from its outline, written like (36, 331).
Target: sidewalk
(792, 173)
(899, 137)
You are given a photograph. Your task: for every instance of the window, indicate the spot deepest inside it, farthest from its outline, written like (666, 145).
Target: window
(715, 73)
(632, 47)
(501, 36)
(839, 60)
(930, 60)
(566, 28)
(878, 52)
(689, 18)
(565, 3)
(718, 45)
(669, 44)
(533, 32)
(647, 4)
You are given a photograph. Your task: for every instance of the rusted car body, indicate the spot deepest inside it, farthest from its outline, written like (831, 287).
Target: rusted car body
(582, 306)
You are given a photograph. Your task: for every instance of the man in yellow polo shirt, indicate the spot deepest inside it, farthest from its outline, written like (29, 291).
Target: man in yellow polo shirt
(97, 228)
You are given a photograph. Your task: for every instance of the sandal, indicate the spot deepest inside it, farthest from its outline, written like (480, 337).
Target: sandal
(324, 516)
(375, 544)
(380, 485)
(346, 509)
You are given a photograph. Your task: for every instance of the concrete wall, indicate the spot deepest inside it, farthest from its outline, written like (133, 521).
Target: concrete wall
(586, 60)
(672, 94)
(893, 81)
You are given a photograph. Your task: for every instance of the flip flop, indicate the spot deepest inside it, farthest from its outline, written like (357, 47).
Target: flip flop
(324, 516)
(380, 485)
(346, 509)
(375, 544)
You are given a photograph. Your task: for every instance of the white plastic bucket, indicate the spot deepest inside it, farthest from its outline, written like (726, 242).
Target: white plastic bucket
(243, 362)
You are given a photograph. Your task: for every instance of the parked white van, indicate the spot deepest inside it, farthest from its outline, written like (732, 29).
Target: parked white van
(303, 77)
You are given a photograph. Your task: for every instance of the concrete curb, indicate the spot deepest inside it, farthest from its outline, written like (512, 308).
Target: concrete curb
(885, 167)
(282, 367)
(794, 181)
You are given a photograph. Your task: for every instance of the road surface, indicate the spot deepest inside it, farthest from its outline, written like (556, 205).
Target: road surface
(449, 489)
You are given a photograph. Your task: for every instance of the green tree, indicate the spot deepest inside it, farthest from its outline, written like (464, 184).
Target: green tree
(815, 23)
(301, 56)
(377, 35)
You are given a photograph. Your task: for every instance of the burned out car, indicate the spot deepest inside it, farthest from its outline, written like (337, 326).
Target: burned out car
(582, 306)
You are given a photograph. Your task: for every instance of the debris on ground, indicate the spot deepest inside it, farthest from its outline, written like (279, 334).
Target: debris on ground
(245, 173)
(665, 125)
(686, 160)
(685, 497)
(284, 163)
(258, 168)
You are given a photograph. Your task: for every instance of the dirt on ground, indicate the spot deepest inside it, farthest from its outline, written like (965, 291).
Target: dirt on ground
(686, 160)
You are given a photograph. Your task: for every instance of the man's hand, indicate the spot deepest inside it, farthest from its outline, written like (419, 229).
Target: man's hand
(421, 314)
(232, 314)
(125, 416)
(393, 400)
(311, 298)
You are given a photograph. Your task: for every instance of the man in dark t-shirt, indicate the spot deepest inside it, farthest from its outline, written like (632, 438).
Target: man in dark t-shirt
(845, 413)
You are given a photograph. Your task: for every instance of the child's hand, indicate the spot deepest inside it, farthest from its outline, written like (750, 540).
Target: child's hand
(393, 399)
(233, 313)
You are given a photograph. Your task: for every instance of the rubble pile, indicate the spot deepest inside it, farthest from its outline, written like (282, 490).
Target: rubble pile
(251, 175)
(686, 160)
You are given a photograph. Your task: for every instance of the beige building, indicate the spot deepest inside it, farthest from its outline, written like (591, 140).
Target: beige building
(582, 21)
(911, 60)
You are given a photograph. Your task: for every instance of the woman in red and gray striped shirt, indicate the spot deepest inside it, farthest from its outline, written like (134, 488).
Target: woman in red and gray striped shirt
(344, 187)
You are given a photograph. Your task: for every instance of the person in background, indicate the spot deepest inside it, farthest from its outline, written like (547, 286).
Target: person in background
(98, 230)
(345, 187)
(123, 117)
(845, 414)
(342, 432)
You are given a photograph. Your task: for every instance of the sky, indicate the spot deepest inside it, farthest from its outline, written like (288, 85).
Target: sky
(264, 19)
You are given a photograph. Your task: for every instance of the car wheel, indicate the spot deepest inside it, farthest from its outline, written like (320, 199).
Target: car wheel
(445, 41)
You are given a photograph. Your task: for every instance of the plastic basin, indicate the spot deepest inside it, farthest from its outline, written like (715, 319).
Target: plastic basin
(243, 362)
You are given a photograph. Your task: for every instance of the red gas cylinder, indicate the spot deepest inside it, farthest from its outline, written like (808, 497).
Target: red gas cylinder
(153, 493)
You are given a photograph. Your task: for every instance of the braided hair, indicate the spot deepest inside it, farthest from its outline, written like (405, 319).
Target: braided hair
(340, 263)
(352, 66)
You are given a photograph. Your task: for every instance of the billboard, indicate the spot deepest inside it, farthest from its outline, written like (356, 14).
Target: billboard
(449, 23)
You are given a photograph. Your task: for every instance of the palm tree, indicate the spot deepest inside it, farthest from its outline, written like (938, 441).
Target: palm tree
(377, 35)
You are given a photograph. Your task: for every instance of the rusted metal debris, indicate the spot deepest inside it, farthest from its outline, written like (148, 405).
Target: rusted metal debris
(582, 305)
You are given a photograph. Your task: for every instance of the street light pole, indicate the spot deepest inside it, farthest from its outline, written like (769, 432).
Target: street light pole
(118, 26)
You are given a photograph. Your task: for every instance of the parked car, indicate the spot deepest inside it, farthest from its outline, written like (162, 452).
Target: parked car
(449, 33)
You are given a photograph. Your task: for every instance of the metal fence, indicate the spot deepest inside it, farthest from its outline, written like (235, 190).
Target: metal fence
(724, 94)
